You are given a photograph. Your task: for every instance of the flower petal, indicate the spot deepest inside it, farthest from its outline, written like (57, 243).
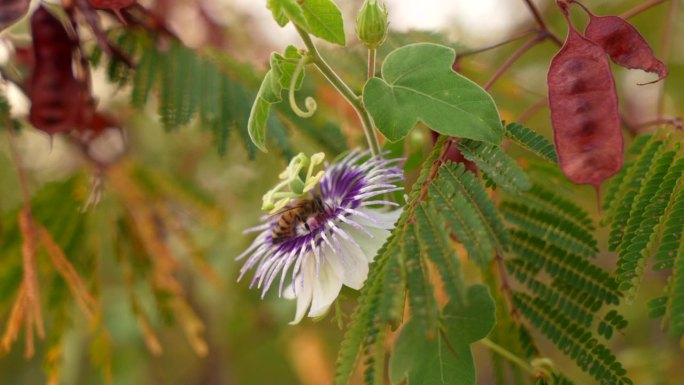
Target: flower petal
(370, 246)
(355, 265)
(326, 287)
(303, 291)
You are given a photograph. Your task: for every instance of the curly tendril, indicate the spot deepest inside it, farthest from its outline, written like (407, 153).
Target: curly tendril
(309, 102)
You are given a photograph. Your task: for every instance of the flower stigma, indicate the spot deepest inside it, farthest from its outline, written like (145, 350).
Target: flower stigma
(290, 177)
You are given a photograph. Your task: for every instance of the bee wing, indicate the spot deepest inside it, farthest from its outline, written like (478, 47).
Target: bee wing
(283, 211)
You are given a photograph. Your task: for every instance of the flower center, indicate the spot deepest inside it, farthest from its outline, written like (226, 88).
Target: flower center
(309, 225)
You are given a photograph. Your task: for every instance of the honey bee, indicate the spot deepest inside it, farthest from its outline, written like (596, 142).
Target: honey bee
(299, 218)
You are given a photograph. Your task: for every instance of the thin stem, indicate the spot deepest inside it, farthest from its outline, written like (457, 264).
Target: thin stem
(371, 62)
(450, 141)
(527, 114)
(505, 286)
(344, 90)
(512, 59)
(541, 23)
(641, 8)
(508, 355)
(475, 51)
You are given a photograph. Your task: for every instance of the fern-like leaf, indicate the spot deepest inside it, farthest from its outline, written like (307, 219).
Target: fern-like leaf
(531, 141)
(553, 298)
(209, 85)
(496, 164)
(563, 233)
(571, 269)
(670, 254)
(434, 243)
(573, 340)
(463, 220)
(545, 199)
(421, 298)
(474, 191)
(648, 205)
(391, 302)
(363, 327)
(617, 182)
(619, 212)
(675, 305)
(628, 219)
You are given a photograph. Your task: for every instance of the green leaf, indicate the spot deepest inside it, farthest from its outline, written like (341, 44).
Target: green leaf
(446, 358)
(419, 85)
(473, 320)
(285, 11)
(256, 125)
(324, 20)
(283, 69)
(258, 116)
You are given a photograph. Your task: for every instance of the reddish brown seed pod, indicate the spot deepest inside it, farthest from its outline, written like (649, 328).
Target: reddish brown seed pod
(584, 111)
(623, 43)
(54, 92)
(11, 11)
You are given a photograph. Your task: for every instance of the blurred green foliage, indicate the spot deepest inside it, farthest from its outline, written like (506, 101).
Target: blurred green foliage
(200, 197)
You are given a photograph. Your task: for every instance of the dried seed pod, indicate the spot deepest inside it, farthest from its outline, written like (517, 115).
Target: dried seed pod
(584, 111)
(55, 93)
(11, 11)
(623, 43)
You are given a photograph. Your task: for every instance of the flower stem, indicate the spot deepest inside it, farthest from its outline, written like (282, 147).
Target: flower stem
(508, 355)
(343, 89)
(371, 63)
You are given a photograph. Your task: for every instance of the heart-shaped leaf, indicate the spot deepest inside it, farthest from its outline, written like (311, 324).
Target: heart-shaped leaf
(419, 85)
(446, 359)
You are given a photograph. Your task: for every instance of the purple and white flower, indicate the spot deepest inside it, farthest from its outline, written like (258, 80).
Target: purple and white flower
(337, 245)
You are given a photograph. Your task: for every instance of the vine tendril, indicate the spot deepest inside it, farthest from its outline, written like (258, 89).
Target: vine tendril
(309, 103)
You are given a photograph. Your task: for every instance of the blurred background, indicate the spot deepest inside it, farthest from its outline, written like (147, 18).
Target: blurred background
(198, 198)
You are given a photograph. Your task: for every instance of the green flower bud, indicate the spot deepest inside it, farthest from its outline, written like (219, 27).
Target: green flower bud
(371, 24)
